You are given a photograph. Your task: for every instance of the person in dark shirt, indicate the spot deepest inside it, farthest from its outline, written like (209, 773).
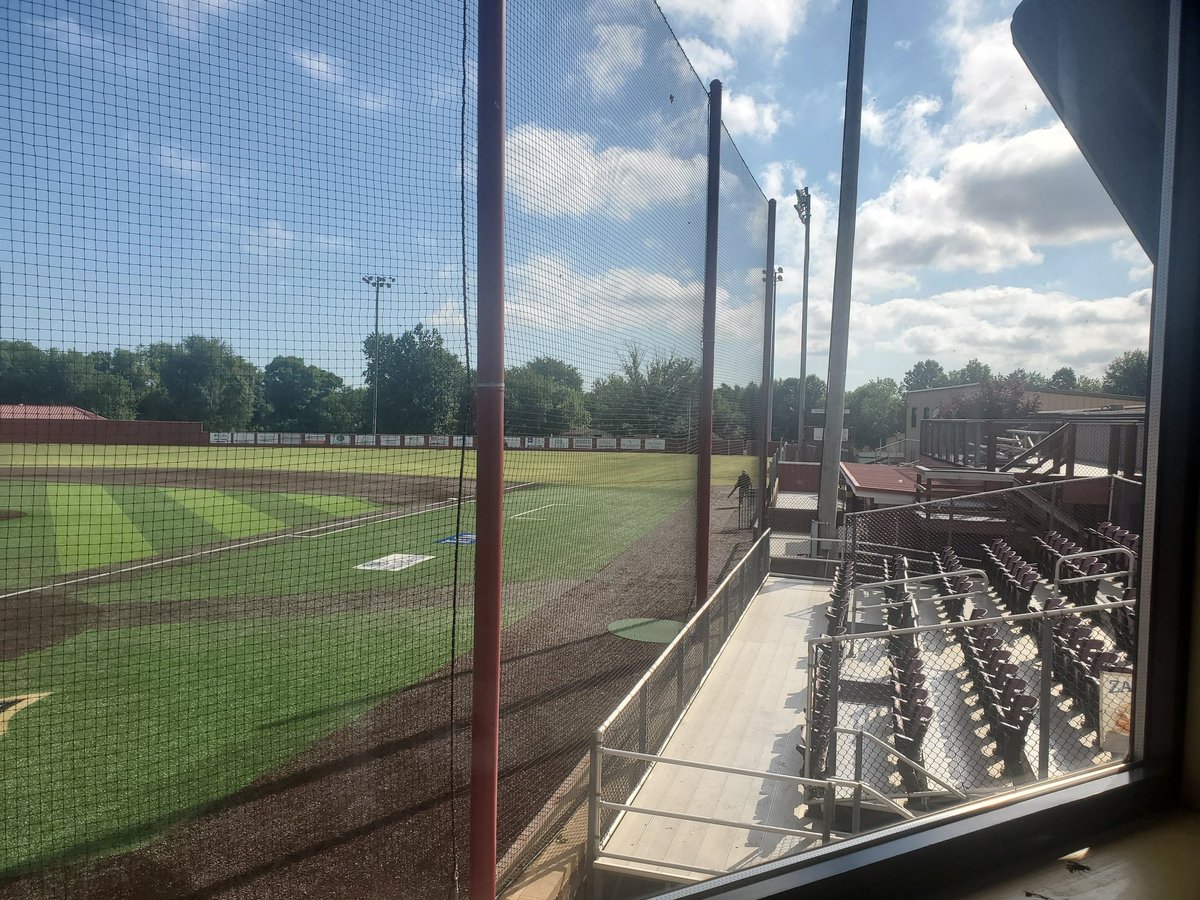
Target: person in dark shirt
(742, 486)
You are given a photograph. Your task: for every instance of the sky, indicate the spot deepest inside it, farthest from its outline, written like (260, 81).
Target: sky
(234, 167)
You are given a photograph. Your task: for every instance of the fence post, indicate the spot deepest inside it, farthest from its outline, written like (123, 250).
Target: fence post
(594, 788)
(1070, 449)
(708, 350)
(643, 724)
(680, 654)
(1046, 699)
(827, 811)
(992, 460)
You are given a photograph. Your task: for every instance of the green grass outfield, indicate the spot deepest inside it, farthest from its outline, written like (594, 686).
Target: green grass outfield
(70, 527)
(148, 725)
(560, 466)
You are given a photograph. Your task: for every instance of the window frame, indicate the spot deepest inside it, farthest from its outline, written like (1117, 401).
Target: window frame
(959, 846)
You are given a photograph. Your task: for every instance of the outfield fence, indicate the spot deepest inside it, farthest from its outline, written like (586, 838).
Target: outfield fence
(239, 227)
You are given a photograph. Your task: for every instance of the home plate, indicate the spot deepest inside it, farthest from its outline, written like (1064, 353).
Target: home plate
(393, 562)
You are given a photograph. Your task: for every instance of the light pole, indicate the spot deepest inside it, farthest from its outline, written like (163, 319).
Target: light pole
(378, 282)
(804, 210)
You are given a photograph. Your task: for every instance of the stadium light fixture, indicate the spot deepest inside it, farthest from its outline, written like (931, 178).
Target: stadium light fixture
(379, 282)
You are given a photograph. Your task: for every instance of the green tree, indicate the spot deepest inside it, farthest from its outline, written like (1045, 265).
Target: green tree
(1030, 379)
(973, 372)
(297, 396)
(785, 404)
(1129, 374)
(996, 398)
(928, 373)
(203, 380)
(420, 381)
(1064, 379)
(658, 395)
(876, 411)
(1088, 383)
(544, 396)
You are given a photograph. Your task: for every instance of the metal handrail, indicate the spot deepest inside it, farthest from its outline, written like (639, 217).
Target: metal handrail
(894, 752)
(1099, 576)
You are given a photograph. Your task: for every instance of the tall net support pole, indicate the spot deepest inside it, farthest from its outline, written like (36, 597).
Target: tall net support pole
(804, 208)
(771, 277)
(489, 453)
(839, 332)
(708, 358)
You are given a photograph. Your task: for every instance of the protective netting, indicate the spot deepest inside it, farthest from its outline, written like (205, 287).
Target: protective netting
(236, 359)
(979, 643)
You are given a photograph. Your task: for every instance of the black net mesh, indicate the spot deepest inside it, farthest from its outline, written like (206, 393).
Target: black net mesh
(237, 436)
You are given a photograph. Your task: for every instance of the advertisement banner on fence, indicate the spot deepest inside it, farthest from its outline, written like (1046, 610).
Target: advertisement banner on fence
(414, 440)
(439, 440)
(364, 440)
(535, 443)
(559, 443)
(606, 443)
(314, 438)
(266, 437)
(291, 438)
(512, 443)
(656, 443)
(340, 440)
(582, 443)
(457, 440)
(631, 443)
(391, 440)
(1116, 697)
(243, 437)
(220, 437)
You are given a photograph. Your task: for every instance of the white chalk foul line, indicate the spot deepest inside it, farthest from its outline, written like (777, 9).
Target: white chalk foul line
(528, 511)
(320, 531)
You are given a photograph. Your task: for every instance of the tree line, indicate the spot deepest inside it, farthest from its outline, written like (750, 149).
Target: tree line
(424, 388)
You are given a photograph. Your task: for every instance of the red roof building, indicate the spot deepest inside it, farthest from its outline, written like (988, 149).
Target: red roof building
(45, 411)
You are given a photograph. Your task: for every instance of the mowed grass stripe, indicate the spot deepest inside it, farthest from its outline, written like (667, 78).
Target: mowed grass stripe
(91, 529)
(28, 541)
(334, 506)
(165, 522)
(228, 515)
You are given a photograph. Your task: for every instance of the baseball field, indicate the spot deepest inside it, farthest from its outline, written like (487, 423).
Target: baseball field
(176, 623)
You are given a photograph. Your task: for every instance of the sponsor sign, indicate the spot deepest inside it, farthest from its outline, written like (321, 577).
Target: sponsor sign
(439, 440)
(1116, 697)
(393, 562)
(457, 441)
(220, 437)
(606, 443)
(656, 443)
(538, 443)
(243, 437)
(414, 440)
(559, 443)
(314, 438)
(631, 443)
(819, 434)
(340, 440)
(292, 438)
(512, 443)
(364, 440)
(391, 440)
(583, 443)
(266, 437)
(463, 537)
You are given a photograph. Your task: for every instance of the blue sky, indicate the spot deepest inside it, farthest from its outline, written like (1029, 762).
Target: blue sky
(233, 167)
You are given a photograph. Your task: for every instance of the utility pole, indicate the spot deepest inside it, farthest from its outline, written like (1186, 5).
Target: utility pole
(843, 270)
(379, 282)
(804, 210)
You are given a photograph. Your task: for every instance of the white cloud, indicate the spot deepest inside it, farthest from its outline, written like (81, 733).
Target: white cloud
(180, 161)
(188, 17)
(617, 54)
(709, 62)
(1141, 269)
(745, 116)
(269, 238)
(992, 85)
(318, 65)
(371, 100)
(562, 173)
(768, 22)
(1009, 326)
(114, 55)
(992, 205)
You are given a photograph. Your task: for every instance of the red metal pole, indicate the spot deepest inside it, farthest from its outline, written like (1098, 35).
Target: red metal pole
(708, 359)
(771, 277)
(489, 453)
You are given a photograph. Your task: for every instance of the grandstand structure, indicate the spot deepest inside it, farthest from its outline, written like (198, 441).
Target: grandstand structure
(965, 647)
